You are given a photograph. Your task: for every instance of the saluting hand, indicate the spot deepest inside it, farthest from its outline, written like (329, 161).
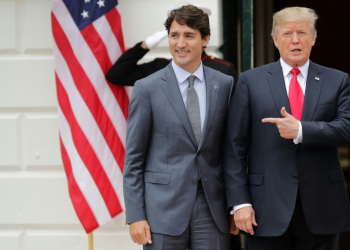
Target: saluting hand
(288, 126)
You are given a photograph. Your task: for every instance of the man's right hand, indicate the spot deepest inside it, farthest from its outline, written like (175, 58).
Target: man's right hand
(245, 219)
(140, 232)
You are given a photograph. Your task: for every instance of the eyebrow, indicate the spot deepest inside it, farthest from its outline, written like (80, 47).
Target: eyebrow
(186, 33)
(301, 29)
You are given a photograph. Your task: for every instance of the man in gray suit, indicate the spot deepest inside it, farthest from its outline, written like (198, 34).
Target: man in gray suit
(282, 168)
(173, 182)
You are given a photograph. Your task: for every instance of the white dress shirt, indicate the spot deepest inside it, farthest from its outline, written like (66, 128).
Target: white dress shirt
(199, 85)
(301, 77)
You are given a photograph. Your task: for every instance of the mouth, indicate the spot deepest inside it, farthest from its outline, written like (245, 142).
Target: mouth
(296, 51)
(182, 52)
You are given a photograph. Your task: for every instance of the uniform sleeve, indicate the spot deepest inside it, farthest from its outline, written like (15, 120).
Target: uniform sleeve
(126, 71)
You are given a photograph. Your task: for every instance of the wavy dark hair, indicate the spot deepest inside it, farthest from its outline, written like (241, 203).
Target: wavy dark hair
(192, 16)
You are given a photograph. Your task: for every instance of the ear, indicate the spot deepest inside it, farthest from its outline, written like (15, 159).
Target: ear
(313, 41)
(205, 40)
(275, 41)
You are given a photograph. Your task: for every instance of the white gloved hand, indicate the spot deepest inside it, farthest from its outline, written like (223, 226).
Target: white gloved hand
(153, 40)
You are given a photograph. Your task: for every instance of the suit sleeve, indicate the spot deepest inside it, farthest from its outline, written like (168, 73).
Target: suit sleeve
(137, 140)
(335, 133)
(237, 143)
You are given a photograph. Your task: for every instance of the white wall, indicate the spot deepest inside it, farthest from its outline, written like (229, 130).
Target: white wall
(35, 210)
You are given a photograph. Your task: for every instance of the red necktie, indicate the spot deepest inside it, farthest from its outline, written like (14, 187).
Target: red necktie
(296, 95)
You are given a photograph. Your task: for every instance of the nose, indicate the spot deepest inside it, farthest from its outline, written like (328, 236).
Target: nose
(295, 38)
(182, 42)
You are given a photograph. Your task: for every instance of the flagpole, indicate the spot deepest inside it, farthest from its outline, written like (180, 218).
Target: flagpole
(91, 241)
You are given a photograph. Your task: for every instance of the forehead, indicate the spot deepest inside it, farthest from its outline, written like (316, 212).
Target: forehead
(295, 26)
(181, 28)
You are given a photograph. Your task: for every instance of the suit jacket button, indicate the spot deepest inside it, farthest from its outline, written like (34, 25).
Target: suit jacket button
(194, 181)
(295, 177)
(198, 153)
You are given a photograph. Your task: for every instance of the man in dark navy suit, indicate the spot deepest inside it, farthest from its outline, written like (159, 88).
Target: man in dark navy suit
(282, 170)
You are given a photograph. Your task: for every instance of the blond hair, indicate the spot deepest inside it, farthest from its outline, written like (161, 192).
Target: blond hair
(294, 14)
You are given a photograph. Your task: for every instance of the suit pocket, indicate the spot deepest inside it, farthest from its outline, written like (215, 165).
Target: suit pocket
(220, 112)
(336, 175)
(157, 178)
(255, 179)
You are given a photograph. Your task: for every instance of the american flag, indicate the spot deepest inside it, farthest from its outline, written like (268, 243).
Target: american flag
(92, 112)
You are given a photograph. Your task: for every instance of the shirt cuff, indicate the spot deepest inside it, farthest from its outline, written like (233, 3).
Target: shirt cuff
(235, 208)
(299, 138)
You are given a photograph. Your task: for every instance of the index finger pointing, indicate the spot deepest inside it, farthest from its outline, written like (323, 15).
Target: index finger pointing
(270, 120)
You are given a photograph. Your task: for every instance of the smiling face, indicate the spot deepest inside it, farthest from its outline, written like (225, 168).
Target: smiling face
(186, 46)
(294, 41)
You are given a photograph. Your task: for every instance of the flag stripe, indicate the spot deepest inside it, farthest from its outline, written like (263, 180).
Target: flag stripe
(82, 176)
(81, 207)
(114, 44)
(91, 68)
(82, 82)
(114, 19)
(87, 154)
(89, 126)
(97, 47)
(105, 32)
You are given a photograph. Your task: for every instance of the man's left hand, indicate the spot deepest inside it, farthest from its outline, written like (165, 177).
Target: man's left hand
(288, 126)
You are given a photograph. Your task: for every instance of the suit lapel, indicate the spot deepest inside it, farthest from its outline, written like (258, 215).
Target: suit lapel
(172, 91)
(278, 87)
(312, 91)
(211, 96)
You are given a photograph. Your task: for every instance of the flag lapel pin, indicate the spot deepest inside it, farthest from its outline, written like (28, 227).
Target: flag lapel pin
(316, 78)
(215, 87)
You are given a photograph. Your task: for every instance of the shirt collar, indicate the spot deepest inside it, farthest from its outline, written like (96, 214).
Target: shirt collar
(182, 75)
(286, 68)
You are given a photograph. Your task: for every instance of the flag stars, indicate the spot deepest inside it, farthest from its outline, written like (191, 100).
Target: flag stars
(101, 3)
(85, 14)
(87, 1)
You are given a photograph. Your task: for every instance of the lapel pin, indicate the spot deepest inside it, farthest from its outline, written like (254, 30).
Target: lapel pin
(316, 78)
(215, 87)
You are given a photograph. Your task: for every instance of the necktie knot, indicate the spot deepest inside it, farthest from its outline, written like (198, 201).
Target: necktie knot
(295, 71)
(191, 79)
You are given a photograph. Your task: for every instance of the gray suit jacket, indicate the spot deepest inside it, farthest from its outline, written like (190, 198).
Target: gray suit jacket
(267, 171)
(162, 158)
